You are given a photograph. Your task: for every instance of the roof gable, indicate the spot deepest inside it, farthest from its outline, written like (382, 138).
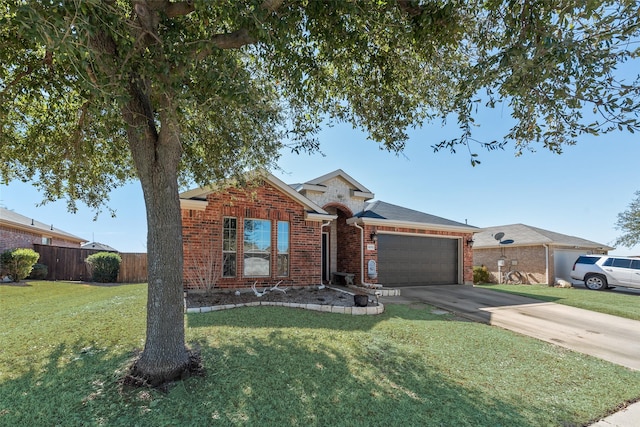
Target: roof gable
(323, 182)
(196, 198)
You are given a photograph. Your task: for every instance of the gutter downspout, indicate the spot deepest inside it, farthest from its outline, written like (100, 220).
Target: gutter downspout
(365, 284)
(546, 265)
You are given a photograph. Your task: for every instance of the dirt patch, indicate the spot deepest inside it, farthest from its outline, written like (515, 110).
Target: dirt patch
(306, 295)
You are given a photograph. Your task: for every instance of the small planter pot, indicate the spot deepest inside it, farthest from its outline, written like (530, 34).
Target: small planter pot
(361, 300)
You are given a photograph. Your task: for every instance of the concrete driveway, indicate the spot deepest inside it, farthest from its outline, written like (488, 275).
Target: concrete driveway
(604, 336)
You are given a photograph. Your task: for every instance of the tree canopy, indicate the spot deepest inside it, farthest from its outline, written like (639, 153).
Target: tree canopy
(629, 223)
(96, 93)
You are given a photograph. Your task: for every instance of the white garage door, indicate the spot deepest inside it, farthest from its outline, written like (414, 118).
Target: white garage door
(417, 260)
(563, 260)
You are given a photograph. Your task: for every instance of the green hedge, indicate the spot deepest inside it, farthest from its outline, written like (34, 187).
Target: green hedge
(480, 274)
(17, 263)
(104, 266)
(39, 272)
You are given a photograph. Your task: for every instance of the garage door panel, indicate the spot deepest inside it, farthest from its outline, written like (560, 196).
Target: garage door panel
(415, 260)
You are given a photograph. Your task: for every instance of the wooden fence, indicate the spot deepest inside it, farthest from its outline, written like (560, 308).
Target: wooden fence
(69, 264)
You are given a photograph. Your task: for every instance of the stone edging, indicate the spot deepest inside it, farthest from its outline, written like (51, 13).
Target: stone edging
(378, 309)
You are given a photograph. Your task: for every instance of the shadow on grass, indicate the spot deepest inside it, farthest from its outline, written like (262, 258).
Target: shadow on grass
(277, 380)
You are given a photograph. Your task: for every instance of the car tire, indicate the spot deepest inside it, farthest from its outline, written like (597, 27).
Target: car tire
(595, 282)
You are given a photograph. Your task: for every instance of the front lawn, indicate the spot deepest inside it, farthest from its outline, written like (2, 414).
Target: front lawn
(623, 305)
(63, 346)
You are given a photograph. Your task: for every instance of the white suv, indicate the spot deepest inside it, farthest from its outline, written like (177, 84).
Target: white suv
(598, 272)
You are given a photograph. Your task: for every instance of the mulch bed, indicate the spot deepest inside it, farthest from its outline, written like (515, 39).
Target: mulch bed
(305, 295)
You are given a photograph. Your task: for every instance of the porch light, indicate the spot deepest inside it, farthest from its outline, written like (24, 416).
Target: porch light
(470, 242)
(374, 236)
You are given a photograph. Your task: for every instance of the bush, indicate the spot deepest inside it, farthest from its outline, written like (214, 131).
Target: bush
(17, 263)
(39, 272)
(104, 266)
(480, 274)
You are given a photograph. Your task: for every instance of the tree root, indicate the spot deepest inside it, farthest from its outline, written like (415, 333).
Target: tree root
(135, 379)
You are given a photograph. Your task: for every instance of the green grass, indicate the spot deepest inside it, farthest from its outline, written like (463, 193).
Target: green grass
(63, 347)
(601, 301)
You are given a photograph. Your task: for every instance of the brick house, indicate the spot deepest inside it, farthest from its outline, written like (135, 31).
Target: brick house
(540, 255)
(19, 231)
(303, 233)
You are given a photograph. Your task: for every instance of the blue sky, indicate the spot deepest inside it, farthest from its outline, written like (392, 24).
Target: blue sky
(578, 193)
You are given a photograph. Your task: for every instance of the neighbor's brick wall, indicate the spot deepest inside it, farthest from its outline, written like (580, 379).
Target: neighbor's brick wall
(531, 262)
(202, 235)
(11, 238)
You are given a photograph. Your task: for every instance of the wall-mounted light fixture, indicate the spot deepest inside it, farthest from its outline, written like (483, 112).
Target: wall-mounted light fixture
(373, 236)
(470, 242)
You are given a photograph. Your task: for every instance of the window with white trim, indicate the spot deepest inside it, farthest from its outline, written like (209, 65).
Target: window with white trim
(229, 246)
(283, 249)
(257, 248)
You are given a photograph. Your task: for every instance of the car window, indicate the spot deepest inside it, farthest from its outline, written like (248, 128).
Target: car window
(635, 264)
(608, 262)
(587, 260)
(621, 262)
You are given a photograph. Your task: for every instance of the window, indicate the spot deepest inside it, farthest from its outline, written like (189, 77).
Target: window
(46, 240)
(283, 248)
(229, 247)
(257, 247)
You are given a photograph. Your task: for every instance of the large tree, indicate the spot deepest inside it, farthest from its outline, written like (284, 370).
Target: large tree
(629, 223)
(95, 93)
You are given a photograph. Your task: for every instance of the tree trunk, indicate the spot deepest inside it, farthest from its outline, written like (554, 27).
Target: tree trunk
(156, 156)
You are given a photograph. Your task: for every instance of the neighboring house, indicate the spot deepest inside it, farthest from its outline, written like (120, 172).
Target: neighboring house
(541, 255)
(98, 247)
(303, 233)
(19, 231)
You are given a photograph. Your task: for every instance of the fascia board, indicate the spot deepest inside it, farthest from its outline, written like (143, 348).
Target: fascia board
(44, 231)
(312, 216)
(194, 205)
(312, 187)
(343, 175)
(409, 224)
(362, 194)
(294, 194)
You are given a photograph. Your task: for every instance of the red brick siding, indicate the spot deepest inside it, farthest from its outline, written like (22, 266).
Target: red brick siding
(11, 238)
(202, 234)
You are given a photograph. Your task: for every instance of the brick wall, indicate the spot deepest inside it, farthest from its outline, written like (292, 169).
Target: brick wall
(531, 262)
(11, 238)
(202, 236)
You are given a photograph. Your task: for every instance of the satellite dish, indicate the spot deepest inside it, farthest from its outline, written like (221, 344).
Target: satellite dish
(498, 236)
(506, 242)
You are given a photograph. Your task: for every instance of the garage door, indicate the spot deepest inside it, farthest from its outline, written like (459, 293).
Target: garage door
(415, 260)
(563, 260)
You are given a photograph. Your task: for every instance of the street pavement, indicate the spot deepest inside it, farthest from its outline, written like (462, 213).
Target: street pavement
(611, 338)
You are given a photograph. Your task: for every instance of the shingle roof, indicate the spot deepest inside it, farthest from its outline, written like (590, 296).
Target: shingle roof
(22, 222)
(526, 235)
(98, 246)
(387, 211)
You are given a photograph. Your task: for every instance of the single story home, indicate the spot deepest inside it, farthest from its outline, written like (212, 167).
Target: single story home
(303, 234)
(542, 256)
(19, 231)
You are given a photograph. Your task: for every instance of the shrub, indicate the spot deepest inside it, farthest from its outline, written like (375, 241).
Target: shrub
(17, 263)
(104, 266)
(39, 272)
(480, 274)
